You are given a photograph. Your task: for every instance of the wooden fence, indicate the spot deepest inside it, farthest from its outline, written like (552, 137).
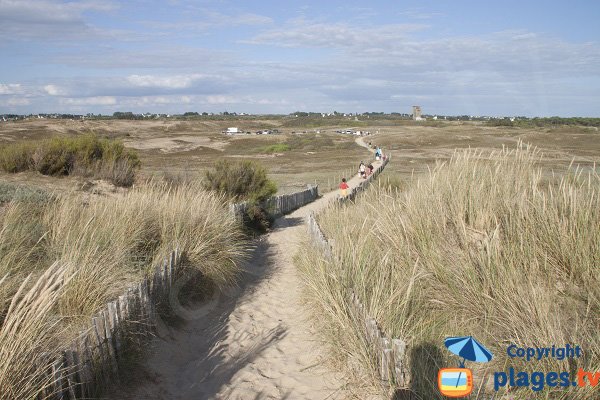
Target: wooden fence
(362, 186)
(390, 353)
(94, 356)
(282, 204)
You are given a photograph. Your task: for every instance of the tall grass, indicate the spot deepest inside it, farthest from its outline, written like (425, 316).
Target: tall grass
(103, 244)
(86, 155)
(109, 242)
(26, 337)
(482, 246)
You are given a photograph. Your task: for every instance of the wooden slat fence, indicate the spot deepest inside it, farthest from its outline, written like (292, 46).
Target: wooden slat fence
(282, 204)
(391, 353)
(93, 357)
(362, 186)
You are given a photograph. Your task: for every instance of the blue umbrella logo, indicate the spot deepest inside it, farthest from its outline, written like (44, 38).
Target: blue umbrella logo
(469, 349)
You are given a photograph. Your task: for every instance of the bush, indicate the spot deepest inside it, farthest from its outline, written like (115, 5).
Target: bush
(17, 157)
(85, 155)
(257, 219)
(241, 180)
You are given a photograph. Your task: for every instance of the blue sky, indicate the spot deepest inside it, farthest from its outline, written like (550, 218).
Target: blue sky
(535, 58)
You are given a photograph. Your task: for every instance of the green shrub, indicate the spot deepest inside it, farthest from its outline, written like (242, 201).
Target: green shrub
(276, 148)
(16, 157)
(257, 219)
(55, 157)
(244, 181)
(85, 155)
(241, 180)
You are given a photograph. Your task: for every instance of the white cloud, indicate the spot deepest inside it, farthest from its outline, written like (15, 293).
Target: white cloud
(221, 99)
(145, 101)
(47, 19)
(54, 90)
(418, 14)
(18, 101)
(206, 20)
(165, 57)
(90, 101)
(10, 88)
(239, 19)
(166, 82)
(302, 33)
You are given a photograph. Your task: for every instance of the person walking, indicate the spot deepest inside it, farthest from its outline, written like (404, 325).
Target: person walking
(344, 188)
(362, 170)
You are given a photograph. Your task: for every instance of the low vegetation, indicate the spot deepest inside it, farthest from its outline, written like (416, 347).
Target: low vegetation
(484, 245)
(101, 245)
(244, 181)
(545, 122)
(275, 148)
(86, 155)
(240, 181)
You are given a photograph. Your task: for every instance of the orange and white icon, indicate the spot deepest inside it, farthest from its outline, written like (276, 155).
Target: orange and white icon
(455, 382)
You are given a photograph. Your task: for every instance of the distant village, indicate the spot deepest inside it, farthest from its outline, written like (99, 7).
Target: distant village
(416, 115)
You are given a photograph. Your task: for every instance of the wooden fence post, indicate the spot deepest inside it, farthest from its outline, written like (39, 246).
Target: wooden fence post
(70, 369)
(386, 359)
(109, 341)
(399, 356)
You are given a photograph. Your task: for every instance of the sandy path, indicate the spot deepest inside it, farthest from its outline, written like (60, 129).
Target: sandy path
(253, 342)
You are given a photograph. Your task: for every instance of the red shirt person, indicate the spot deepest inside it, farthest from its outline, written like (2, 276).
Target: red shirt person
(344, 187)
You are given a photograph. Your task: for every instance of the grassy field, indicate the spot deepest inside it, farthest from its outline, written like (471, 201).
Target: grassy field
(417, 147)
(187, 148)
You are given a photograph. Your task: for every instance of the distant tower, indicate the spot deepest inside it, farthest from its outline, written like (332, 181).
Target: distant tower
(416, 113)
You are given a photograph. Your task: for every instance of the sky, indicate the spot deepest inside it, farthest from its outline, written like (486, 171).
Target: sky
(498, 58)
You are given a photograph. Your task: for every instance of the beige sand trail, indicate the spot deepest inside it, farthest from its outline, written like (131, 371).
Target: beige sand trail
(252, 342)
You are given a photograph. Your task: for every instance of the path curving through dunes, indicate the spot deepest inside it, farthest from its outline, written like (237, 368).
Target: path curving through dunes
(253, 342)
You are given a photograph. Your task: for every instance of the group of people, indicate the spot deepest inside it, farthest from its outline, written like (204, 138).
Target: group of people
(363, 170)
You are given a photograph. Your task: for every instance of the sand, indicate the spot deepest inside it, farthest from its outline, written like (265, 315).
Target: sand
(252, 342)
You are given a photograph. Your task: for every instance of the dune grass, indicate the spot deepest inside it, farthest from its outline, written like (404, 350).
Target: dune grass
(102, 245)
(484, 245)
(86, 155)
(27, 334)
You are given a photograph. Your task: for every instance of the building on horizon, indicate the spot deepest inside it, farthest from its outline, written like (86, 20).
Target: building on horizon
(416, 113)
